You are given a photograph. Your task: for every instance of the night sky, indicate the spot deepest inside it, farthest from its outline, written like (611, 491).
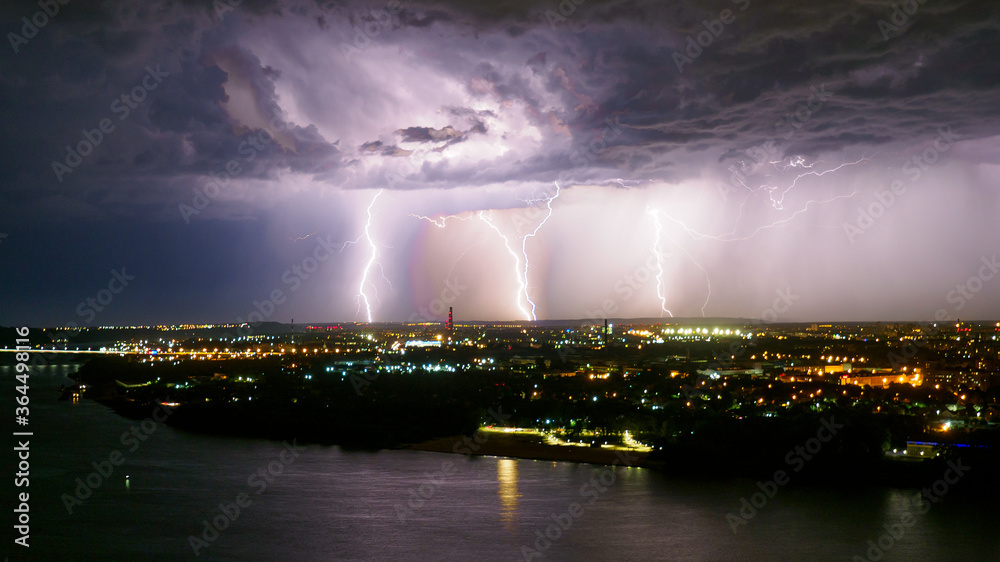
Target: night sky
(337, 161)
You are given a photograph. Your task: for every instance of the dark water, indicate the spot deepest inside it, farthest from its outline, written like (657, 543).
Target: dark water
(330, 504)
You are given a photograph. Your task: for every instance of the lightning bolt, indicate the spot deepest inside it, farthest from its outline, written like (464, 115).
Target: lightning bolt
(799, 162)
(462, 255)
(623, 183)
(777, 203)
(776, 195)
(487, 217)
(302, 237)
(524, 244)
(658, 252)
(708, 279)
(521, 261)
(730, 237)
(372, 262)
(441, 222)
(525, 304)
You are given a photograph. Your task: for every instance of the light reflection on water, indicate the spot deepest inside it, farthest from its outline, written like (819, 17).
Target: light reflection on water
(507, 476)
(336, 504)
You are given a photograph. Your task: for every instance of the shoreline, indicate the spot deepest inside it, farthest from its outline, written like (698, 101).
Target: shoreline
(888, 474)
(527, 447)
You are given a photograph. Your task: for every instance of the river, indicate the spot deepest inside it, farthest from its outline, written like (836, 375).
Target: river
(309, 502)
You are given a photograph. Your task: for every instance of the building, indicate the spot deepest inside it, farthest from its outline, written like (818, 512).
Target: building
(862, 378)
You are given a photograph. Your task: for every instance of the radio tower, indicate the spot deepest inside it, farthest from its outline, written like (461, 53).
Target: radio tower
(450, 326)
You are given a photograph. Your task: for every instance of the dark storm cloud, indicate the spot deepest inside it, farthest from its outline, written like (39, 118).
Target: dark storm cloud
(765, 64)
(428, 134)
(73, 74)
(806, 78)
(810, 78)
(390, 150)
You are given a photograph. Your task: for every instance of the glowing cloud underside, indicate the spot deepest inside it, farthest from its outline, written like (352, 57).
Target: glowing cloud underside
(539, 209)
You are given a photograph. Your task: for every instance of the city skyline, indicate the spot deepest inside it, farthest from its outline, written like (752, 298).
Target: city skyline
(385, 161)
(507, 279)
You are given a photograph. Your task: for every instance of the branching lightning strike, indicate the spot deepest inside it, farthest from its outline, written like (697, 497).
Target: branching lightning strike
(372, 262)
(525, 304)
(522, 289)
(658, 252)
(440, 222)
(521, 261)
(524, 243)
(776, 202)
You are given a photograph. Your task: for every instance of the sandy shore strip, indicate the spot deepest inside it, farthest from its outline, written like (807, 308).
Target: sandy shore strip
(528, 446)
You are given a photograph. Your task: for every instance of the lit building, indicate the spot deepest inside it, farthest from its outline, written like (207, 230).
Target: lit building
(914, 378)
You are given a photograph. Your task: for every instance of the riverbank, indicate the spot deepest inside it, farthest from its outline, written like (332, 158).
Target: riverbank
(521, 445)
